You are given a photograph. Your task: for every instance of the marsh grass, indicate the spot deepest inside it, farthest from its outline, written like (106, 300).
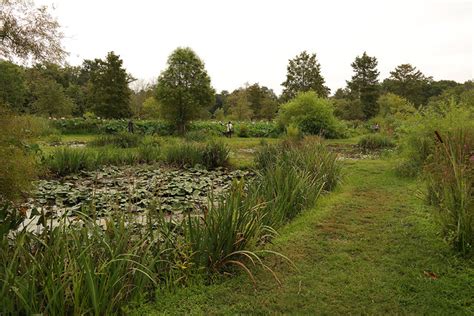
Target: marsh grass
(84, 268)
(450, 182)
(120, 140)
(375, 141)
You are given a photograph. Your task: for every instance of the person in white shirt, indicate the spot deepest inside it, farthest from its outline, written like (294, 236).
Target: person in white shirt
(229, 129)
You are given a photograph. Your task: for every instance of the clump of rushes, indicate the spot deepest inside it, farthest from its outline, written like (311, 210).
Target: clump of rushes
(120, 140)
(375, 141)
(86, 269)
(450, 182)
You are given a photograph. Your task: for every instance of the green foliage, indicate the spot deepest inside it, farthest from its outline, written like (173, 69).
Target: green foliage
(364, 84)
(450, 178)
(184, 88)
(86, 268)
(243, 131)
(292, 175)
(294, 133)
(151, 109)
(183, 154)
(121, 140)
(229, 230)
(215, 154)
(201, 135)
(17, 153)
(13, 88)
(375, 141)
(313, 115)
(393, 105)
(409, 83)
(108, 91)
(162, 128)
(219, 114)
(211, 155)
(64, 161)
(50, 99)
(348, 109)
(239, 106)
(303, 74)
(418, 138)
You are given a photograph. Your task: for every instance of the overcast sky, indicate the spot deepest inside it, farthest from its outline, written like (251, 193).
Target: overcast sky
(252, 40)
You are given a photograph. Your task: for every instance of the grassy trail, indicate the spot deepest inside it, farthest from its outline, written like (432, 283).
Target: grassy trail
(369, 248)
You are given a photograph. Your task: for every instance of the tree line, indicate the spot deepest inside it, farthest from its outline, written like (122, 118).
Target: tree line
(183, 91)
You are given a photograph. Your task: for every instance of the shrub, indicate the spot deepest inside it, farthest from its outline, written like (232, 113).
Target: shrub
(17, 162)
(313, 115)
(294, 133)
(243, 131)
(450, 181)
(215, 154)
(417, 133)
(375, 141)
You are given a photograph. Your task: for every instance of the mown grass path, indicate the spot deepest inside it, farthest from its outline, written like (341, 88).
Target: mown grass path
(371, 247)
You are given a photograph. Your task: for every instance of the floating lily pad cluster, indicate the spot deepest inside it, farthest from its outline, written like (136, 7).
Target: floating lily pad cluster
(132, 189)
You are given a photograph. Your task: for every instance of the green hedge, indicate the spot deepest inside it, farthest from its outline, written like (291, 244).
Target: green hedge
(162, 128)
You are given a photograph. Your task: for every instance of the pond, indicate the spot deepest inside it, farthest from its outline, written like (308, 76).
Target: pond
(131, 189)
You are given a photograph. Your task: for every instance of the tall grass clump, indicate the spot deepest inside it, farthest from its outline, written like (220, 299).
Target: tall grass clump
(212, 154)
(120, 140)
(183, 154)
(84, 269)
(375, 141)
(291, 177)
(450, 182)
(227, 233)
(64, 161)
(215, 154)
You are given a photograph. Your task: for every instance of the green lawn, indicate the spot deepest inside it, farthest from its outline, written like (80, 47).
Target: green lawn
(369, 248)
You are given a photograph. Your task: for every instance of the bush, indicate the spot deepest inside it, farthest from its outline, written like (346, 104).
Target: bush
(450, 181)
(313, 115)
(375, 141)
(294, 133)
(418, 140)
(17, 160)
(243, 131)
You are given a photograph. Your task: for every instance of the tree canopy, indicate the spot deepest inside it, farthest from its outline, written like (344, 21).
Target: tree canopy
(108, 91)
(304, 74)
(408, 82)
(364, 84)
(29, 33)
(184, 88)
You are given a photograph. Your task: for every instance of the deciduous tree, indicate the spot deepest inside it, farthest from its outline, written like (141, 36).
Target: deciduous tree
(304, 74)
(184, 88)
(29, 32)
